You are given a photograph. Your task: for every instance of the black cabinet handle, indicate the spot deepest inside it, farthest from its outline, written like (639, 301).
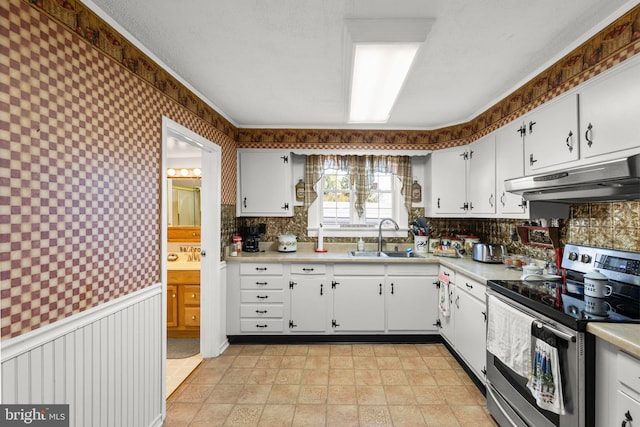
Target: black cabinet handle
(392, 289)
(502, 198)
(244, 202)
(468, 285)
(262, 296)
(307, 269)
(438, 202)
(570, 144)
(380, 293)
(588, 135)
(627, 419)
(262, 326)
(261, 268)
(261, 311)
(321, 288)
(262, 283)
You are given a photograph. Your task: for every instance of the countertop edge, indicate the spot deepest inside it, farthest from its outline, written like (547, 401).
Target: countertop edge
(625, 336)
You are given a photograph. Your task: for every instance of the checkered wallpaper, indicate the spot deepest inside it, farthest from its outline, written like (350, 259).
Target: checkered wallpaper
(80, 150)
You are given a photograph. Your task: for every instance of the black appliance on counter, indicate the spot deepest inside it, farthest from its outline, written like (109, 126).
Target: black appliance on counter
(562, 308)
(250, 238)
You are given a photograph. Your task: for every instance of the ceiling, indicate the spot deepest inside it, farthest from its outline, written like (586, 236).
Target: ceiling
(285, 63)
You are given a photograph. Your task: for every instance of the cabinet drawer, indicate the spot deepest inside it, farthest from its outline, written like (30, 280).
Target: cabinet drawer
(261, 310)
(183, 277)
(261, 296)
(190, 295)
(261, 282)
(261, 325)
(308, 269)
(191, 317)
(471, 286)
(628, 370)
(412, 269)
(262, 268)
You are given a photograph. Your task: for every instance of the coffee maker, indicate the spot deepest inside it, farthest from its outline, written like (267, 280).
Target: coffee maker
(250, 239)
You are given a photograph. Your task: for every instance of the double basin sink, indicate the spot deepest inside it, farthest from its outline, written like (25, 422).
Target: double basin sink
(384, 254)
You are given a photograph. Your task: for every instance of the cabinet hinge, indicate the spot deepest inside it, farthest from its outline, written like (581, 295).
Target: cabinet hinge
(438, 324)
(292, 284)
(334, 324)
(292, 325)
(465, 155)
(285, 207)
(437, 283)
(334, 283)
(285, 159)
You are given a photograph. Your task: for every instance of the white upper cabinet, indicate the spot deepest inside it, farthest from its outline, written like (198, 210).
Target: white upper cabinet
(464, 180)
(264, 183)
(481, 176)
(552, 136)
(510, 164)
(448, 180)
(609, 111)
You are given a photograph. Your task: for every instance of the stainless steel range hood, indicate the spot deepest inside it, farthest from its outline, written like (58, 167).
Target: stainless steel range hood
(606, 181)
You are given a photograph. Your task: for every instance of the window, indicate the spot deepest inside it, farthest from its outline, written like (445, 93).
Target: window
(353, 193)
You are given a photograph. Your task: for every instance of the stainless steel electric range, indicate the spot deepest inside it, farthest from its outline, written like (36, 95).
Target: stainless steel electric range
(561, 308)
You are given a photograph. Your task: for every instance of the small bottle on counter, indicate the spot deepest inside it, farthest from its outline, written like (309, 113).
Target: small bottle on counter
(361, 245)
(236, 247)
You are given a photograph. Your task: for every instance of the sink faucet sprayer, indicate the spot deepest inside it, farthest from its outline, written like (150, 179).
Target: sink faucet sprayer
(382, 221)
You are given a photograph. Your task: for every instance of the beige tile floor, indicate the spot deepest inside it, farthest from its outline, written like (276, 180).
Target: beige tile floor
(329, 385)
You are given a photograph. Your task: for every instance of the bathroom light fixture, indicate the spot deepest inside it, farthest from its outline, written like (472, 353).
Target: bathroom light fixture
(379, 71)
(184, 173)
(383, 51)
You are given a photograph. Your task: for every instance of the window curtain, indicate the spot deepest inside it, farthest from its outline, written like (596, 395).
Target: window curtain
(361, 170)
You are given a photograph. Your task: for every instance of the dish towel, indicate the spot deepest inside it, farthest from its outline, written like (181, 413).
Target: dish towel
(444, 302)
(509, 336)
(545, 382)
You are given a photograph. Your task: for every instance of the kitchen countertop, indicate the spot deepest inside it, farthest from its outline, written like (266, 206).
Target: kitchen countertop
(625, 336)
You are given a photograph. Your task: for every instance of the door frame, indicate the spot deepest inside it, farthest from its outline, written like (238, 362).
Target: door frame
(212, 334)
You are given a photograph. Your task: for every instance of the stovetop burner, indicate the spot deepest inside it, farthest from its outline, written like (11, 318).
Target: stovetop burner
(574, 309)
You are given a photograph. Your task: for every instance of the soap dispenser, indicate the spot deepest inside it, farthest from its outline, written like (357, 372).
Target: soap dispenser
(361, 245)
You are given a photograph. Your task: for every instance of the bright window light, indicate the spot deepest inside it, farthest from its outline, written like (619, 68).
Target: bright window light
(379, 71)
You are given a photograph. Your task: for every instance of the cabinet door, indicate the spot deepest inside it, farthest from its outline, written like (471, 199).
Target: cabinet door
(448, 182)
(552, 135)
(481, 183)
(510, 164)
(358, 304)
(627, 411)
(470, 331)
(172, 306)
(308, 304)
(609, 111)
(412, 303)
(264, 186)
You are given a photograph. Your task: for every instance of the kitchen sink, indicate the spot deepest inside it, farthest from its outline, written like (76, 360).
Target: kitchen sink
(366, 254)
(402, 254)
(384, 254)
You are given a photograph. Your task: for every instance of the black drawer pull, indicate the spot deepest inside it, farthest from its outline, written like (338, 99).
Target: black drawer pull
(307, 269)
(262, 283)
(262, 326)
(262, 296)
(261, 311)
(261, 268)
(468, 286)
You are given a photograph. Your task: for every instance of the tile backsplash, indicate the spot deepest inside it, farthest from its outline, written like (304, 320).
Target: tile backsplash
(610, 225)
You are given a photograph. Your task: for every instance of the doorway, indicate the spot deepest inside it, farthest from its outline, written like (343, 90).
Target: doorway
(200, 157)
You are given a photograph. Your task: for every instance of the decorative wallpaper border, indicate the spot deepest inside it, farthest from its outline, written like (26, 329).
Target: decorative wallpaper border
(80, 19)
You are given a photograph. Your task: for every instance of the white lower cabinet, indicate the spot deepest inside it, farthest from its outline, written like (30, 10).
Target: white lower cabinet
(617, 386)
(309, 291)
(411, 295)
(358, 304)
(470, 328)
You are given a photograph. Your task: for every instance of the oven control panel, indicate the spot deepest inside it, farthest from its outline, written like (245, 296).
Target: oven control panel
(617, 265)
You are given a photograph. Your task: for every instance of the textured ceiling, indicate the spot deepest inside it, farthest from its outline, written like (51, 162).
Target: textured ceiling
(284, 63)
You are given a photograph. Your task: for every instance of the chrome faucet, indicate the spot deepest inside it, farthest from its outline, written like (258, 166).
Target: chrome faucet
(382, 221)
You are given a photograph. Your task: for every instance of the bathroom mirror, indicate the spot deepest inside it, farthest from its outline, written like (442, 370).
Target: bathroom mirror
(184, 202)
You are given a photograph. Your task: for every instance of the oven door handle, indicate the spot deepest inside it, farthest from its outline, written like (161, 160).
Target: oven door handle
(556, 332)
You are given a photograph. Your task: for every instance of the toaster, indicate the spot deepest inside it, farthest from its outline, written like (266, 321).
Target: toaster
(488, 252)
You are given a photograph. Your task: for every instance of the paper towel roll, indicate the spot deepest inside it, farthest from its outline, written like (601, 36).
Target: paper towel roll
(320, 238)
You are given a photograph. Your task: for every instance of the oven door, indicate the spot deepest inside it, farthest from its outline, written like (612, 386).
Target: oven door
(509, 400)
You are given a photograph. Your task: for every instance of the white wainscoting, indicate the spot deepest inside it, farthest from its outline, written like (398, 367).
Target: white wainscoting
(106, 363)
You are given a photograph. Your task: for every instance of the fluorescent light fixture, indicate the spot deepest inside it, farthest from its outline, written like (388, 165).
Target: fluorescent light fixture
(379, 72)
